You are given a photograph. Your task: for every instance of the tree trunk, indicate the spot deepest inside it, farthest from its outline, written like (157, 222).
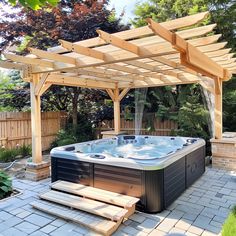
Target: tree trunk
(75, 106)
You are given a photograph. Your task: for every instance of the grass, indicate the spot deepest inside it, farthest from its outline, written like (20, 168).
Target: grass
(229, 227)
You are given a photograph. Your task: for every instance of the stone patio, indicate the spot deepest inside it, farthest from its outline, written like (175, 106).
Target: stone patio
(200, 210)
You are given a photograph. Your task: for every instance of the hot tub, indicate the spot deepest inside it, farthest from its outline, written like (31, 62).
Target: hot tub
(155, 169)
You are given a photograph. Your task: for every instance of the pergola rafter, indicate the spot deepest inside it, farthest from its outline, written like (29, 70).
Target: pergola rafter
(168, 53)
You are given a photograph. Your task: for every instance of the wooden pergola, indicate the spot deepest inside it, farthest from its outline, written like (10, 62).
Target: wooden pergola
(168, 53)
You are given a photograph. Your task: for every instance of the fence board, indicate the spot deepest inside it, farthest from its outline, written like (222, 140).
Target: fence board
(161, 128)
(15, 128)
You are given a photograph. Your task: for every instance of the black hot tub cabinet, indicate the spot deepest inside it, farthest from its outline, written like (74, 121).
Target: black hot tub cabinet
(156, 181)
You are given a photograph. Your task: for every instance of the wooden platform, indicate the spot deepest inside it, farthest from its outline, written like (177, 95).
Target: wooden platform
(111, 212)
(96, 223)
(95, 193)
(80, 204)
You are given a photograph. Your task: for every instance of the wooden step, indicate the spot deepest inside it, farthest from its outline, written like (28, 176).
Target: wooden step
(97, 208)
(96, 223)
(95, 193)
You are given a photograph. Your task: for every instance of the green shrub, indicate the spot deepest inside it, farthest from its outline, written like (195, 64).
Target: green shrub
(7, 155)
(5, 185)
(82, 132)
(229, 227)
(25, 150)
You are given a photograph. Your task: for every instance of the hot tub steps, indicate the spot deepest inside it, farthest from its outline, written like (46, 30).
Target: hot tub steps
(95, 193)
(105, 210)
(93, 222)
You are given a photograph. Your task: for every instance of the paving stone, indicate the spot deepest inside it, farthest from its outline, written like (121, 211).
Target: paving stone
(13, 232)
(195, 230)
(176, 231)
(157, 232)
(12, 221)
(3, 226)
(225, 191)
(137, 217)
(183, 224)
(190, 216)
(23, 214)
(216, 224)
(58, 222)
(202, 221)
(219, 219)
(48, 229)
(4, 215)
(130, 230)
(38, 220)
(38, 233)
(147, 225)
(27, 227)
(207, 233)
(16, 211)
(168, 223)
(213, 229)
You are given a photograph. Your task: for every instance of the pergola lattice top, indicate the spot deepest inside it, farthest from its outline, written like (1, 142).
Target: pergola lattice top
(149, 56)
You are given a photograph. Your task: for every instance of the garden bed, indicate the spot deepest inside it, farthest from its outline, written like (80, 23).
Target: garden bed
(14, 193)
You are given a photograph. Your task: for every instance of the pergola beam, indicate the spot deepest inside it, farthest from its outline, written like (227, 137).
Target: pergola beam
(11, 65)
(53, 56)
(190, 55)
(29, 60)
(60, 79)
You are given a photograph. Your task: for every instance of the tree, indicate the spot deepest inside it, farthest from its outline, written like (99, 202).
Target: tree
(223, 13)
(72, 21)
(34, 4)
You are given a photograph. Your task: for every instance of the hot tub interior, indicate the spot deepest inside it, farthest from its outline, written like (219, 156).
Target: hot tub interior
(130, 146)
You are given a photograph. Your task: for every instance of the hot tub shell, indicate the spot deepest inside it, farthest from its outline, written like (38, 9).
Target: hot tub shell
(157, 183)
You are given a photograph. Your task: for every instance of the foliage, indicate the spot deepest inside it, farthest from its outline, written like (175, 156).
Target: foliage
(82, 132)
(25, 150)
(5, 185)
(229, 227)
(10, 154)
(224, 14)
(72, 21)
(34, 4)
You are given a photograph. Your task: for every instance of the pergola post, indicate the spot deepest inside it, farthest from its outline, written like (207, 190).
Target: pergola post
(116, 103)
(35, 121)
(218, 109)
(116, 95)
(37, 169)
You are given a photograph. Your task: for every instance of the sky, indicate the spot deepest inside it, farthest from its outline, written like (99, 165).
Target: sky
(128, 5)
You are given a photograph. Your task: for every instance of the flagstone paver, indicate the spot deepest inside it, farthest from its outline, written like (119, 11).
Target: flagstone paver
(200, 210)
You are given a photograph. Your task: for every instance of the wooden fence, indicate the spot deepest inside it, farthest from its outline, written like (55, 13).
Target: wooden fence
(151, 125)
(15, 128)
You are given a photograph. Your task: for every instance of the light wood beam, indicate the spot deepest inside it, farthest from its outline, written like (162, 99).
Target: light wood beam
(86, 51)
(123, 93)
(53, 56)
(111, 94)
(190, 55)
(40, 84)
(78, 82)
(29, 60)
(118, 42)
(142, 31)
(35, 121)
(11, 65)
(218, 109)
(116, 103)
